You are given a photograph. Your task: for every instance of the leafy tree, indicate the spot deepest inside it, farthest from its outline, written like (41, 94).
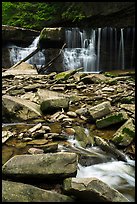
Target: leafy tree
(35, 15)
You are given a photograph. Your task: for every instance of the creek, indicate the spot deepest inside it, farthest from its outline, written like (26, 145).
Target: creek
(102, 165)
(96, 50)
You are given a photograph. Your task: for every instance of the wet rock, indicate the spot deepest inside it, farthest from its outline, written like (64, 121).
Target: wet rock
(6, 135)
(20, 192)
(72, 114)
(23, 68)
(38, 134)
(35, 151)
(34, 128)
(20, 108)
(100, 110)
(70, 131)
(112, 119)
(50, 147)
(82, 111)
(92, 190)
(38, 142)
(65, 75)
(51, 166)
(110, 148)
(81, 136)
(51, 101)
(108, 89)
(125, 134)
(94, 78)
(54, 104)
(52, 38)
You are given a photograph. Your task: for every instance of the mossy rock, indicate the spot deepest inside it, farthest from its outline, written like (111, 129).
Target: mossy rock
(112, 119)
(125, 134)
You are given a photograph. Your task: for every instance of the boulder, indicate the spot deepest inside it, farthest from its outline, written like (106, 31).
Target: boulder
(125, 134)
(64, 75)
(17, 109)
(23, 69)
(52, 38)
(92, 190)
(82, 137)
(50, 166)
(94, 78)
(100, 110)
(110, 149)
(51, 101)
(20, 192)
(111, 119)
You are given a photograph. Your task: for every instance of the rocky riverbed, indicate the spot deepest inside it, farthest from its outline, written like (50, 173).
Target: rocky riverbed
(49, 121)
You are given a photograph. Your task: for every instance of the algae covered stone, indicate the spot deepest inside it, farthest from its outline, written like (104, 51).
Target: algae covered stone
(112, 119)
(125, 134)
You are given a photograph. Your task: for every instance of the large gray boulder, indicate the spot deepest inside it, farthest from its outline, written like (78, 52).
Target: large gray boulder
(18, 109)
(20, 192)
(92, 190)
(51, 165)
(51, 101)
(100, 110)
(52, 38)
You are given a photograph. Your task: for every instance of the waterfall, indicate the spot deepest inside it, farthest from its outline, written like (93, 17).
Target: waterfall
(80, 51)
(19, 53)
(121, 50)
(100, 49)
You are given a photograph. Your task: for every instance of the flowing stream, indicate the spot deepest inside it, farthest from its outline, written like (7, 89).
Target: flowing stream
(117, 174)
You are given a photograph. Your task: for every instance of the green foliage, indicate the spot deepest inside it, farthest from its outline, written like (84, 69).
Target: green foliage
(74, 12)
(35, 15)
(26, 14)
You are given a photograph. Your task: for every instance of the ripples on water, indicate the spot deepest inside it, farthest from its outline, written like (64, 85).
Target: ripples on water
(117, 174)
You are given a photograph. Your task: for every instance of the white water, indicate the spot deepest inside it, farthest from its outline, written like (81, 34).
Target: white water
(99, 49)
(19, 53)
(121, 51)
(117, 174)
(95, 50)
(80, 51)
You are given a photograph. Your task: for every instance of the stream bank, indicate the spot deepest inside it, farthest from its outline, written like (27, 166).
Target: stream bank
(67, 112)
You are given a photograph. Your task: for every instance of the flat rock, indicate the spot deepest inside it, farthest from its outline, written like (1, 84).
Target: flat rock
(20, 192)
(92, 190)
(20, 108)
(51, 165)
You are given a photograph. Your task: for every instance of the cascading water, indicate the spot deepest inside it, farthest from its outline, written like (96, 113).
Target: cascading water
(19, 53)
(119, 175)
(80, 51)
(100, 49)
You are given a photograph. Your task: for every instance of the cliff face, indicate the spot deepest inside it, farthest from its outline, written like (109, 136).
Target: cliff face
(18, 36)
(101, 14)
